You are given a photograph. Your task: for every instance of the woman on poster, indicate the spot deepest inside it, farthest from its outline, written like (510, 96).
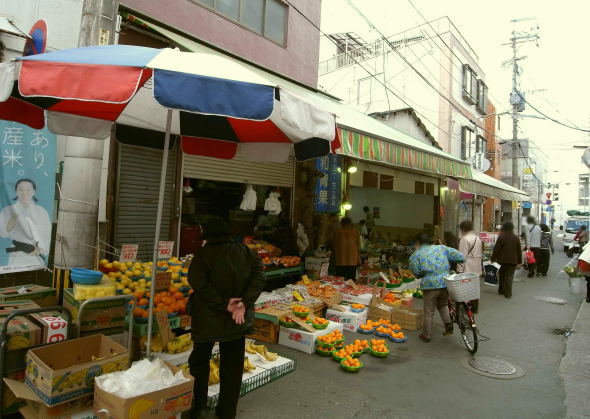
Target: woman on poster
(27, 225)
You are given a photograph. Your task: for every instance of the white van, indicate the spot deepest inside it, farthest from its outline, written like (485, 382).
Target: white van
(571, 227)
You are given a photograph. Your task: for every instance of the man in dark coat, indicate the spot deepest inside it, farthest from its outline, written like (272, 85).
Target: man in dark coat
(227, 279)
(508, 253)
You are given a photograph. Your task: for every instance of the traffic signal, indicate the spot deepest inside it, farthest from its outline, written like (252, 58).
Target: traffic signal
(556, 196)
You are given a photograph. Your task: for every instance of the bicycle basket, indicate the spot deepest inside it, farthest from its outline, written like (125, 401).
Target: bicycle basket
(463, 287)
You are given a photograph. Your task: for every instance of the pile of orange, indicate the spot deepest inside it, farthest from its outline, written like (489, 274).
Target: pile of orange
(300, 309)
(331, 337)
(398, 335)
(382, 322)
(366, 326)
(380, 347)
(363, 344)
(139, 312)
(377, 342)
(357, 306)
(390, 298)
(341, 353)
(288, 319)
(319, 320)
(384, 329)
(171, 301)
(352, 362)
(354, 348)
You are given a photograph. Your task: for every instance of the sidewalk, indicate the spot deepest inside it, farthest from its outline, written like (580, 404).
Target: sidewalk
(575, 366)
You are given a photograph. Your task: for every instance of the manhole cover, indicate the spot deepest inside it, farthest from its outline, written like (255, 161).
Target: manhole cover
(492, 366)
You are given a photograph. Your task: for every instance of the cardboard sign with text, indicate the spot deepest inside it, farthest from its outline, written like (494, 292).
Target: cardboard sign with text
(128, 252)
(162, 319)
(55, 329)
(165, 249)
(163, 281)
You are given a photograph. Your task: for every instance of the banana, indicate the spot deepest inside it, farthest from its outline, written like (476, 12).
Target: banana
(248, 365)
(213, 372)
(18, 342)
(270, 356)
(250, 348)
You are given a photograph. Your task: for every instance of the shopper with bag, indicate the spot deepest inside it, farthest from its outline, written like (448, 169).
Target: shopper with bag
(508, 253)
(432, 263)
(227, 279)
(532, 234)
(472, 250)
(584, 269)
(546, 250)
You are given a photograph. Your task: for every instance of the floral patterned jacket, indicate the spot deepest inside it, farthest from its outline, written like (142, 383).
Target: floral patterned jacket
(432, 263)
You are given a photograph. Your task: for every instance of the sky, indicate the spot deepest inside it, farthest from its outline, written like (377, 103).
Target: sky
(560, 64)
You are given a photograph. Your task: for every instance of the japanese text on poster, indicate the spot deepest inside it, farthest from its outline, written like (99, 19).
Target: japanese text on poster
(327, 190)
(27, 174)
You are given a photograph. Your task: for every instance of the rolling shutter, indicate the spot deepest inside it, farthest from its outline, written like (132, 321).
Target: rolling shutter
(137, 198)
(239, 170)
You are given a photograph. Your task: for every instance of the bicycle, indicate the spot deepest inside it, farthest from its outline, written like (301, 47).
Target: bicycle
(462, 314)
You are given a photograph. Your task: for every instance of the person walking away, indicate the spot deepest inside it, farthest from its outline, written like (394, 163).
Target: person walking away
(369, 220)
(546, 248)
(532, 235)
(508, 253)
(471, 248)
(227, 279)
(347, 249)
(432, 263)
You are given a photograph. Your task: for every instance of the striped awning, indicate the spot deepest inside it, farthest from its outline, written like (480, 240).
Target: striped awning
(374, 149)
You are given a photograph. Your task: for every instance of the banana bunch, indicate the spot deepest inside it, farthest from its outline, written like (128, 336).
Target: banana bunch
(139, 407)
(18, 342)
(156, 346)
(251, 348)
(180, 344)
(214, 371)
(248, 365)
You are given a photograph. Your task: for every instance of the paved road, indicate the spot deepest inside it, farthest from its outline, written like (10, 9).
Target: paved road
(428, 380)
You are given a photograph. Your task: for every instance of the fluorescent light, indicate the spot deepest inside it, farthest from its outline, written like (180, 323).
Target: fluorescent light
(346, 206)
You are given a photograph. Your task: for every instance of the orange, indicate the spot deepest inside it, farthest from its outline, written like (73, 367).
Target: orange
(172, 290)
(137, 311)
(179, 296)
(145, 314)
(143, 302)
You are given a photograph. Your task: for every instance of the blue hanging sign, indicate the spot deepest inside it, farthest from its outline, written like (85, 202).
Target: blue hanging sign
(327, 189)
(27, 193)
(527, 204)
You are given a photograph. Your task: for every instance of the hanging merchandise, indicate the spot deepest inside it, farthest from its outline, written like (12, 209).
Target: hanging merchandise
(249, 200)
(302, 239)
(186, 186)
(272, 203)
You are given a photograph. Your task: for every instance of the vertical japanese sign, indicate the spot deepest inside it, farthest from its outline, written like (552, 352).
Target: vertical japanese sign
(27, 175)
(327, 189)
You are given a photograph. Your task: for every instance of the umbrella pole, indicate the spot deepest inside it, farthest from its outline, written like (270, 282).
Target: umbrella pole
(157, 235)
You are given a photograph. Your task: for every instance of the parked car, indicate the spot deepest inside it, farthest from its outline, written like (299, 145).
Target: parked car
(571, 227)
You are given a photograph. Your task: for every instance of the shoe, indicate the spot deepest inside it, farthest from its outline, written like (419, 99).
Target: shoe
(424, 339)
(508, 297)
(448, 330)
(538, 274)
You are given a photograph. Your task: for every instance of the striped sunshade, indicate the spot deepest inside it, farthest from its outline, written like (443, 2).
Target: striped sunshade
(218, 104)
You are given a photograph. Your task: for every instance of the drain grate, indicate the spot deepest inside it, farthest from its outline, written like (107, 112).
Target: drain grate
(493, 368)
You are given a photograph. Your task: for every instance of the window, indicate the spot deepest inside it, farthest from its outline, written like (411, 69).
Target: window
(370, 179)
(467, 135)
(481, 144)
(469, 84)
(482, 96)
(584, 190)
(265, 17)
(363, 92)
(419, 187)
(386, 182)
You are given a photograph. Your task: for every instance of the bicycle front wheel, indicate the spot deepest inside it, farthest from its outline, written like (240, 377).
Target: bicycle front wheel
(467, 328)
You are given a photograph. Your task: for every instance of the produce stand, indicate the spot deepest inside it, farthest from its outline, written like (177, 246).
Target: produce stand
(14, 360)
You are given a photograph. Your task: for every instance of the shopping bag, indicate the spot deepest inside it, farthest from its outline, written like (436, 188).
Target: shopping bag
(491, 273)
(530, 257)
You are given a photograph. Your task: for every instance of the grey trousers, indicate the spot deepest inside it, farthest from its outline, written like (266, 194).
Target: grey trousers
(435, 299)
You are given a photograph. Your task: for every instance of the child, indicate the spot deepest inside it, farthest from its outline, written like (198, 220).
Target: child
(531, 262)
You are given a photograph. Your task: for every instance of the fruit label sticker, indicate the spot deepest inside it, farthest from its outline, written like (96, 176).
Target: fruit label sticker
(298, 296)
(57, 329)
(128, 253)
(163, 281)
(165, 249)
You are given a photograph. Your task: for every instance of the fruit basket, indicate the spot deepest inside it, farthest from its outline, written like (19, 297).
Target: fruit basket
(366, 332)
(349, 368)
(398, 337)
(324, 344)
(319, 326)
(324, 351)
(301, 312)
(339, 357)
(287, 324)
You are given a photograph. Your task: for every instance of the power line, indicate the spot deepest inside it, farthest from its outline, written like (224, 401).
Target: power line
(552, 119)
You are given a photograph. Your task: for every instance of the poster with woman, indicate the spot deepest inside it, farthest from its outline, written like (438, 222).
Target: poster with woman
(27, 174)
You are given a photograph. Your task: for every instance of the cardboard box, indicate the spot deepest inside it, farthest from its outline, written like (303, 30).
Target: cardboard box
(42, 296)
(6, 307)
(65, 371)
(349, 319)
(140, 329)
(96, 316)
(11, 403)
(22, 333)
(161, 404)
(54, 328)
(303, 340)
(408, 318)
(359, 299)
(35, 409)
(317, 266)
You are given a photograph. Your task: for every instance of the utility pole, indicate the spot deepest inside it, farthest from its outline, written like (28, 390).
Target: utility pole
(517, 100)
(77, 226)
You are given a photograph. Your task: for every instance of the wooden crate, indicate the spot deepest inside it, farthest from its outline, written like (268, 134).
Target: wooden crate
(265, 330)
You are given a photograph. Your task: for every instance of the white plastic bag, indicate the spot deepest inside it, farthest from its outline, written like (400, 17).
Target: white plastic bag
(576, 285)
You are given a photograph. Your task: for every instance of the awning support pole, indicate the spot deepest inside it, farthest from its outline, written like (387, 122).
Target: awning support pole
(157, 234)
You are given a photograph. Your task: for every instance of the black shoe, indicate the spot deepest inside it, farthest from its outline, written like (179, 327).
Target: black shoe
(544, 276)
(424, 339)
(508, 297)
(448, 330)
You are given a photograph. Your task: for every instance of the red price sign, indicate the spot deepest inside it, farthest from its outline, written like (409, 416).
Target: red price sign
(56, 329)
(165, 249)
(128, 253)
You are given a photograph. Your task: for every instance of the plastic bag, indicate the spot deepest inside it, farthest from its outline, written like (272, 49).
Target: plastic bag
(576, 285)
(143, 377)
(491, 273)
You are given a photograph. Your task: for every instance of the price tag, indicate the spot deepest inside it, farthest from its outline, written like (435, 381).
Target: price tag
(185, 321)
(298, 296)
(306, 279)
(163, 281)
(57, 329)
(165, 249)
(128, 253)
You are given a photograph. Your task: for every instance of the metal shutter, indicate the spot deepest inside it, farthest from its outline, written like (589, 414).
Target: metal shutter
(137, 198)
(239, 170)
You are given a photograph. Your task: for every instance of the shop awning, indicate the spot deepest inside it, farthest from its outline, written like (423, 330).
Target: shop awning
(364, 137)
(485, 185)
